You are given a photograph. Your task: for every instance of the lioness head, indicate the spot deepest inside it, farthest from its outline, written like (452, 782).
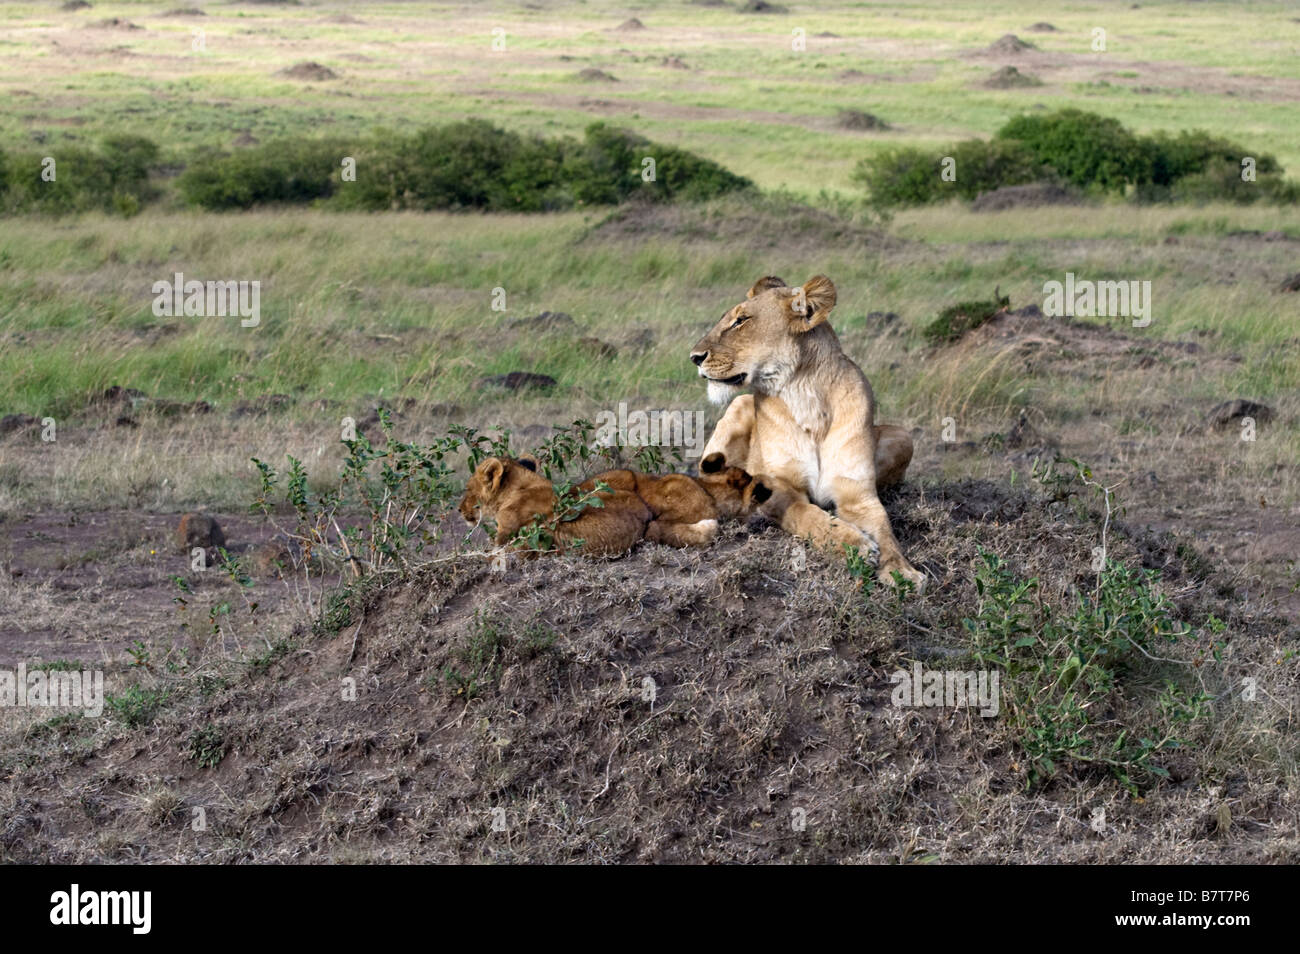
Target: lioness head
(757, 343)
(486, 484)
(726, 485)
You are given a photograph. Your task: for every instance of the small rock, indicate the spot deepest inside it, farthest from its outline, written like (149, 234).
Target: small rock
(1230, 413)
(271, 559)
(120, 395)
(261, 405)
(518, 381)
(17, 422)
(598, 348)
(178, 408)
(546, 321)
(198, 530)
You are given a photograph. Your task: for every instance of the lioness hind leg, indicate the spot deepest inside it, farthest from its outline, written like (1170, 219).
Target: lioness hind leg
(893, 454)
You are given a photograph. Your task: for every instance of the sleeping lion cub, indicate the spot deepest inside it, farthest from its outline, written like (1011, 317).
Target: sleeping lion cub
(672, 509)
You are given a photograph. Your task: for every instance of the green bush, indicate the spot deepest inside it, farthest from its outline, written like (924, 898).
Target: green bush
(114, 178)
(465, 165)
(291, 170)
(984, 166)
(1087, 150)
(900, 177)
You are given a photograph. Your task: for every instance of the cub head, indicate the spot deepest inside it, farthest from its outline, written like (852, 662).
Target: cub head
(487, 484)
(758, 342)
(726, 485)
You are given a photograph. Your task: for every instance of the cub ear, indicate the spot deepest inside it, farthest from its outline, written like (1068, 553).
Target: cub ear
(527, 461)
(764, 283)
(762, 492)
(712, 464)
(813, 301)
(493, 471)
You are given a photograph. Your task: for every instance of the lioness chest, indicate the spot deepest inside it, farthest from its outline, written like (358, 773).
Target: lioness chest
(788, 433)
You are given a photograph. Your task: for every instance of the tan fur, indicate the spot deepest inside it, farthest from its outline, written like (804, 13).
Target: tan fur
(790, 508)
(504, 490)
(808, 429)
(686, 510)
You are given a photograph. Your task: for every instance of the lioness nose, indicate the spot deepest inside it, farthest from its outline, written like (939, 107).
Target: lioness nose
(699, 356)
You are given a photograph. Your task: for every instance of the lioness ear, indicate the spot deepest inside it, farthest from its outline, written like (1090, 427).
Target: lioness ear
(528, 461)
(493, 472)
(712, 464)
(764, 283)
(813, 301)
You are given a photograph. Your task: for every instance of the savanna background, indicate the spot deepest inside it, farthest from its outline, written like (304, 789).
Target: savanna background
(1095, 523)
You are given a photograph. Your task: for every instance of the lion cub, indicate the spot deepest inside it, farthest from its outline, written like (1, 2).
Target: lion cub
(513, 494)
(685, 509)
(672, 509)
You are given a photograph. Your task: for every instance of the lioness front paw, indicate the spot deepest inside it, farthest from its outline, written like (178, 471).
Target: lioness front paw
(885, 573)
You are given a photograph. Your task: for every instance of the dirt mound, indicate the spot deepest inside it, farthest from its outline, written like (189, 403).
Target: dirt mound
(731, 704)
(1008, 45)
(758, 223)
(674, 63)
(762, 6)
(632, 24)
(309, 71)
(185, 12)
(1291, 284)
(245, 138)
(856, 119)
(72, 5)
(1011, 78)
(1043, 27)
(117, 23)
(1087, 350)
(1025, 196)
(593, 75)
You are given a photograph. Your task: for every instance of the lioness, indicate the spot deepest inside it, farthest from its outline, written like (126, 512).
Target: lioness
(808, 429)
